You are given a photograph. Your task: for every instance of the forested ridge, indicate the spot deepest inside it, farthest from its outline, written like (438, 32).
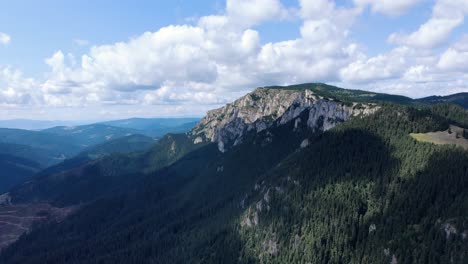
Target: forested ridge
(363, 192)
(372, 195)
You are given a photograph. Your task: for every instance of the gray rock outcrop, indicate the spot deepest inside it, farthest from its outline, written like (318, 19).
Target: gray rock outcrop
(264, 107)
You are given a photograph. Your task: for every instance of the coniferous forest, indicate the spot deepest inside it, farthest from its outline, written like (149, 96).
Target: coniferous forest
(214, 132)
(362, 192)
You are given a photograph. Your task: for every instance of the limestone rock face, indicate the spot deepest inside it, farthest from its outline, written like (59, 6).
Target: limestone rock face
(264, 107)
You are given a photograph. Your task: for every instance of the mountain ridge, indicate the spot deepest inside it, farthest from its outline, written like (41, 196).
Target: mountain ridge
(275, 196)
(259, 109)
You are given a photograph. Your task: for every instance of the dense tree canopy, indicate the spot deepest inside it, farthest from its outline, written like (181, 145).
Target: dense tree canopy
(363, 192)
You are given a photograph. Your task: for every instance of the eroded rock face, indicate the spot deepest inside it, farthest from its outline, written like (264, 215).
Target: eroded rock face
(264, 107)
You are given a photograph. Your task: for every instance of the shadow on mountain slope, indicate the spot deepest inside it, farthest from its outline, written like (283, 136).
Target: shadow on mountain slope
(312, 207)
(426, 221)
(191, 211)
(362, 200)
(361, 193)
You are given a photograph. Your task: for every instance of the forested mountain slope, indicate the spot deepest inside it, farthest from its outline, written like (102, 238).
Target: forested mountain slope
(107, 169)
(460, 99)
(92, 134)
(15, 169)
(53, 148)
(24, 153)
(89, 135)
(123, 145)
(156, 127)
(279, 176)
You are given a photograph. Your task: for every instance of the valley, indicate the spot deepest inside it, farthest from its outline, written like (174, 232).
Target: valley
(234, 132)
(24, 153)
(270, 178)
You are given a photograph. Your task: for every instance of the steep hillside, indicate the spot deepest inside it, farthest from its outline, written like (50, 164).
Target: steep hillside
(123, 145)
(279, 176)
(103, 170)
(63, 185)
(15, 170)
(65, 148)
(23, 153)
(40, 156)
(372, 195)
(19, 148)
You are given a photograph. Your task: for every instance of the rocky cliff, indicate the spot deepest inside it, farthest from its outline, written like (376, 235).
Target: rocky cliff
(264, 107)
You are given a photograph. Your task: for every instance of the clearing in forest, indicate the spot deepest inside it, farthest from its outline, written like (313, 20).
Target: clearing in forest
(454, 135)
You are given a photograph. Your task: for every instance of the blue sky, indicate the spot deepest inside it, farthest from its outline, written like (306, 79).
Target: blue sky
(82, 59)
(39, 28)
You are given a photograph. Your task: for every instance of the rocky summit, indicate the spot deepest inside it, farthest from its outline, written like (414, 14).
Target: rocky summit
(263, 107)
(308, 173)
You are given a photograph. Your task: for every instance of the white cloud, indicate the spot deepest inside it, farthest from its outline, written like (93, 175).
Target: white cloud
(431, 34)
(206, 63)
(322, 49)
(15, 89)
(250, 12)
(383, 66)
(446, 16)
(415, 67)
(455, 58)
(388, 7)
(56, 62)
(4, 38)
(221, 56)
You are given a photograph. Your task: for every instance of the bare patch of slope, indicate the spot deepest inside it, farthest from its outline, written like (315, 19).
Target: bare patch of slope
(453, 136)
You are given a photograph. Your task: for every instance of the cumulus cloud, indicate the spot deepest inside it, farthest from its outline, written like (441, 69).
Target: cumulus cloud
(4, 38)
(455, 58)
(383, 66)
(415, 66)
(15, 89)
(220, 57)
(250, 12)
(431, 34)
(322, 49)
(446, 16)
(206, 62)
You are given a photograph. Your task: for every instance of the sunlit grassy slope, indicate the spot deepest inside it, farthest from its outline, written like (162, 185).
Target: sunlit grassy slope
(453, 136)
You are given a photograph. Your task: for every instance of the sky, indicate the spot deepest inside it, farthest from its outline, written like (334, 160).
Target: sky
(85, 60)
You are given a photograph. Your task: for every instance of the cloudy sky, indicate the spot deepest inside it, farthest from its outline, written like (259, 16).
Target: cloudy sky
(114, 59)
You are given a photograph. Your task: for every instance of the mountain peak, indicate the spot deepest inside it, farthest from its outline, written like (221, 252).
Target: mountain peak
(267, 106)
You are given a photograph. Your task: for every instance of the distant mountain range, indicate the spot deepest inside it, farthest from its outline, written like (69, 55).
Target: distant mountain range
(145, 124)
(29, 124)
(47, 147)
(89, 135)
(152, 124)
(308, 173)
